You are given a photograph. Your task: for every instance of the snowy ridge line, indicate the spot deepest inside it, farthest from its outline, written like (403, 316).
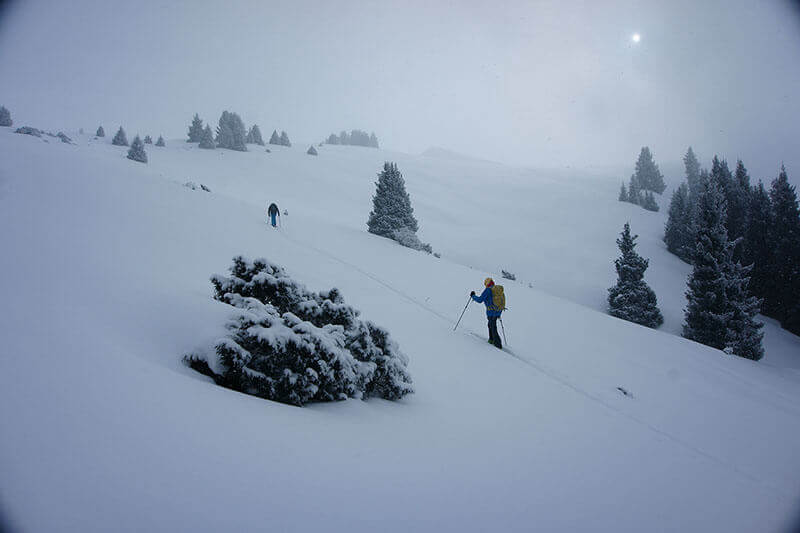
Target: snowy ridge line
(371, 276)
(554, 376)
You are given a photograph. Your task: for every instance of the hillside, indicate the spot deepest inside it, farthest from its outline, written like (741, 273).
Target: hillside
(105, 271)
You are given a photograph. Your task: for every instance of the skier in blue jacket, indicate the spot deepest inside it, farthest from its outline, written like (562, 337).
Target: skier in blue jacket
(492, 312)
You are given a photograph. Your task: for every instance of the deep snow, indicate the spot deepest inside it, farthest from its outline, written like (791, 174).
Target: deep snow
(104, 274)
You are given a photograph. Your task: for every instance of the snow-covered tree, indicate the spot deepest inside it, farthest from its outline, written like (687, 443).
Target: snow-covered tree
(207, 139)
(647, 175)
(332, 139)
(635, 195)
(285, 139)
(136, 151)
(311, 150)
(148, 139)
(295, 346)
(160, 141)
(231, 133)
(391, 205)
(100, 132)
(275, 138)
(692, 166)
(5, 117)
(344, 138)
(721, 311)
(120, 139)
(373, 140)
(254, 136)
(678, 230)
(784, 297)
(757, 244)
(195, 130)
(631, 298)
(649, 201)
(623, 193)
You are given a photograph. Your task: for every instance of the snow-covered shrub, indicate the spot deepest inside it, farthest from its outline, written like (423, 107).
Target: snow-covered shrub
(27, 130)
(295, 346)
(194, 186)
(148, 139)
(136, 152)
(120, 139)
(64, 138)
(507, 275)
(5, 117)
(312, 151)
(409, 239)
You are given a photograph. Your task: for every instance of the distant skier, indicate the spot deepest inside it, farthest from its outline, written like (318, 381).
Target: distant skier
(495, 301)
(273, 213)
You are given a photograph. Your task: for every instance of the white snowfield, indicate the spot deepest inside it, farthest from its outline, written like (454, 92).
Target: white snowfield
(104, 277)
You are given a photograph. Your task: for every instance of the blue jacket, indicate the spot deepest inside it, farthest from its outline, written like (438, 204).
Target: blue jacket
(486, 298)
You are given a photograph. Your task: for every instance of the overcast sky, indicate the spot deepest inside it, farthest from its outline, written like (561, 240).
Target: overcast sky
(523, 82)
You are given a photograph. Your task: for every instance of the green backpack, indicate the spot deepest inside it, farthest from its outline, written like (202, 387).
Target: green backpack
(498, 298)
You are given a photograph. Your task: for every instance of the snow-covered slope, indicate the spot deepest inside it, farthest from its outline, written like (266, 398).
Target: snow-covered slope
(104, 275)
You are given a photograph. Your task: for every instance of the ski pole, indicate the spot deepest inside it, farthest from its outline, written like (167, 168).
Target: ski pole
(462, 313)
(504, 331)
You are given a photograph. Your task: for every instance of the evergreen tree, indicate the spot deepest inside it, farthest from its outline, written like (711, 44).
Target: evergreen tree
(254, 136)
(649, 202)
(623, 193)
(332, 139)
(631, 298)
(635, 191)
(373, 140)
(285, 139)
(677, 232)
(648, 176)
(136, 152)
(160, 141)
(344, 138)
(391, 205)
(120, 139)
(100, 132)
(785, 240)
(737, 199)
(743, 337)
(148, 139)
(757, 244)
(207, 139)
(275, 138)
(693, 179)
(195, 130)
(5, 117)
(312, 150)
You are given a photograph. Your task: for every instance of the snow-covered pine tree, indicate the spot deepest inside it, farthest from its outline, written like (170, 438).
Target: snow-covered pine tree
(784, 297)
(207, 139)
(275, 138)
(195, 130)
(677, 232)
(160, 141)
(254, 136)
(649, 202)
(623, 193)
(136, 152)
(311, 150)
(757, 245)
(631, 298)
(120, 139)
(148, 139)
(743, 337)
(285, 139)
(648, 176)
(692, 166)
(707, 311)
(100, 132)
(332, 139)
(391, 205)
(344, 138)
(5, 117)
(635, 195)
(373, 140)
